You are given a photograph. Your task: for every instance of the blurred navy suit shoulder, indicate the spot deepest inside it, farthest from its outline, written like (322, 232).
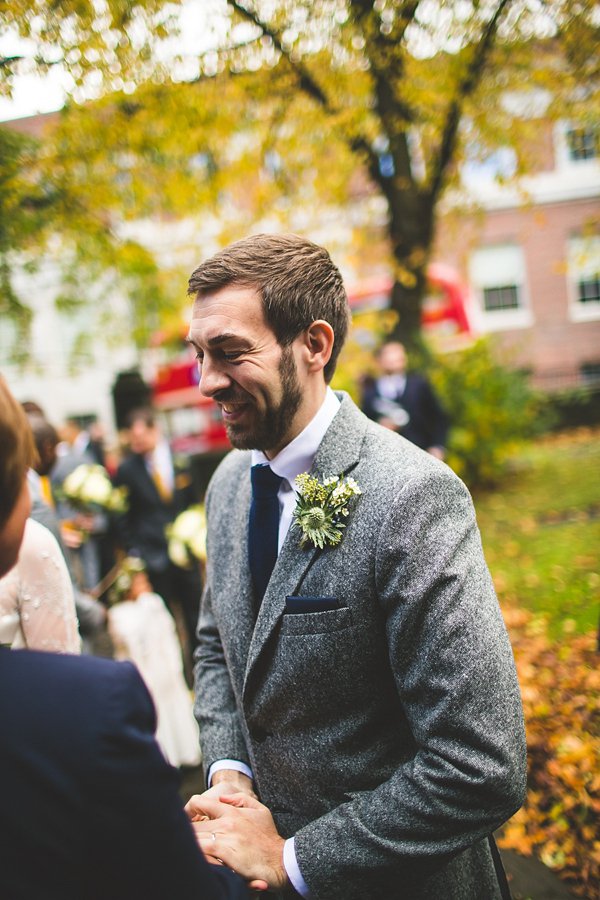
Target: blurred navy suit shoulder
(89, 808)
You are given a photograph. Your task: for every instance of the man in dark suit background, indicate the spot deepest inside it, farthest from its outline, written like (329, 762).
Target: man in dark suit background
(89, 808)
(158, 490)
(405, 402)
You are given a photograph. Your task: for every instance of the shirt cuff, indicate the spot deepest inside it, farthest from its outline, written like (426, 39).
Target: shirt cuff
(229, 764)
(290, 864)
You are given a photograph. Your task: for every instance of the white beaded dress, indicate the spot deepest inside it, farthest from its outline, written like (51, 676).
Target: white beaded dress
(37, 609)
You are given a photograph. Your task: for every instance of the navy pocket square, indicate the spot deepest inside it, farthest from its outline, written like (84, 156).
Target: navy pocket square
(310, 604)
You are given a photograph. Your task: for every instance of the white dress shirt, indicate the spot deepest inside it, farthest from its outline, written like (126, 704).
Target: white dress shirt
(391, 386)
(160, 462)
(295, 458)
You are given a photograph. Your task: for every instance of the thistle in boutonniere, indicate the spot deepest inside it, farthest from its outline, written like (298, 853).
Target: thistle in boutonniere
(321, 507)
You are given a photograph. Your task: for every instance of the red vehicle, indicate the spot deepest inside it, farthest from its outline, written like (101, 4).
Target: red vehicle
(193, 423)
(445, 307)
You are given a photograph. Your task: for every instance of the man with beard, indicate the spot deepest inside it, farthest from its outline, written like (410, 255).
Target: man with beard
(353, 670)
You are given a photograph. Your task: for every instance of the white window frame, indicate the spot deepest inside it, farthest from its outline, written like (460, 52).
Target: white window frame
(562, 151)
(511, 259)
(583, 261)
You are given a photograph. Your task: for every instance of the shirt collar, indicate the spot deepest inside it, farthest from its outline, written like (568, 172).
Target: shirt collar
(391, 385)
(299, 454)
(80, 444)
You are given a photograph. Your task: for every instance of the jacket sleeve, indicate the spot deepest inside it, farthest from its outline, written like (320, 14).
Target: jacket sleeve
(142, 834)
(216, 710)
(124, 524)
(221, 735)
(455, 675)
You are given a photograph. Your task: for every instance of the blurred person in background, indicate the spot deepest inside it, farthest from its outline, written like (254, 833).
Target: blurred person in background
(405, 402)
(158, 490)
(91, 613)
(90, 808)
(143, 631)
(82, 532)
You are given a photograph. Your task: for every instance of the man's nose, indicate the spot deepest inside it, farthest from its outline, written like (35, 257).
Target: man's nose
(212, 378)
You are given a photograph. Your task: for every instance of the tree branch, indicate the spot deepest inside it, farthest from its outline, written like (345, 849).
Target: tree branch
(384, 45)
(308, 84)
(465, 88)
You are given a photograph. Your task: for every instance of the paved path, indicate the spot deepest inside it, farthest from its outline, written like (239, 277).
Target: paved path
(529, 879)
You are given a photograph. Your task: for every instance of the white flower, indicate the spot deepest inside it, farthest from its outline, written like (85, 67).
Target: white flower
(123, 582)
(89, 486)
(74, 482)
(187, 524)
(96, 489)
(198, 544)
(178, 553)
(187, 537)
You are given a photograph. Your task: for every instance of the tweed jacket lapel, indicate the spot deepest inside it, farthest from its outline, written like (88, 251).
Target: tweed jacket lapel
(338, 453)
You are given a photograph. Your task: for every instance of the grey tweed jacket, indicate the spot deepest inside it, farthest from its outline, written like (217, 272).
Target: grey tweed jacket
(386, 735)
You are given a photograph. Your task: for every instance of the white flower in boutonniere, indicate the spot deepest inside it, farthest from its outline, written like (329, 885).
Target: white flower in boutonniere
(321, 507)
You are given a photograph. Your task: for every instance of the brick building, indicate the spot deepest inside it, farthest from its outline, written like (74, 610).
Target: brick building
(531, 256)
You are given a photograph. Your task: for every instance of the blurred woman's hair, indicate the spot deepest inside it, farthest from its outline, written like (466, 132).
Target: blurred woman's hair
(17, 451)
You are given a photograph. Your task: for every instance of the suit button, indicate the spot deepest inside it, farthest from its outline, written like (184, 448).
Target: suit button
(259, 734)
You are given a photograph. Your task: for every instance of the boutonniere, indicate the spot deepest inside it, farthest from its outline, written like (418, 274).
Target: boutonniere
(321, 507)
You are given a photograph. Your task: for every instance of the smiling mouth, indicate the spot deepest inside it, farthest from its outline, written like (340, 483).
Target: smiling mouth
(232, 411)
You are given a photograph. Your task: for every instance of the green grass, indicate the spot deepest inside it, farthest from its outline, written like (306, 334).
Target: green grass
(541, 531)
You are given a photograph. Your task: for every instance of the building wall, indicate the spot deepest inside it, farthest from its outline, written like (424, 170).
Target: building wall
(552, 335)
(551, 344)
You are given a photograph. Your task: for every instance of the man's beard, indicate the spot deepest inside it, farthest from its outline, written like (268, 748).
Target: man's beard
(270, 428)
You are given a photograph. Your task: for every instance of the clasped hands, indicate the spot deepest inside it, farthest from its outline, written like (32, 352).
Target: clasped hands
(234, 829)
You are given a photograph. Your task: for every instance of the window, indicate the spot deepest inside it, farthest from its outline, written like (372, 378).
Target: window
(583, 143)
(583, 278)
(498, 277)
(505, 297)
(577, 146)
(589, 290)
(590, 374)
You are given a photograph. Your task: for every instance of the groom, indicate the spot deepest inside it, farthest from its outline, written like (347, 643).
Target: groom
(364, 690)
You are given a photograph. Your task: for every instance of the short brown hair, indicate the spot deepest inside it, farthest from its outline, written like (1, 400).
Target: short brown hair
(296, 279)
(143, 414)
(17, 451)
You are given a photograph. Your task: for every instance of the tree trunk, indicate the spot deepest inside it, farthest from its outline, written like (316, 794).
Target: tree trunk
(406, 300)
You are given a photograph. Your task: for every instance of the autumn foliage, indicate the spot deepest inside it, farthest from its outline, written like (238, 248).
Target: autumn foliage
(560, 685)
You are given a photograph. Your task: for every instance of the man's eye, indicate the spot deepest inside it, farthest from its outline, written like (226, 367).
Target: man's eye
(199, 357)
(230, 357)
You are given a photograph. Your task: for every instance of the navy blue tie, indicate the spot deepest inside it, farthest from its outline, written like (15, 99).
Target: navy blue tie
(263, 527)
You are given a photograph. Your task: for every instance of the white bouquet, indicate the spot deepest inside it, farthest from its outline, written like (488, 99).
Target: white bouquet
(89, 488)
(187, 537)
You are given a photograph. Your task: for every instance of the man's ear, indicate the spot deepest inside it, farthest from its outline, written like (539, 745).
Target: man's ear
(318, 345)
